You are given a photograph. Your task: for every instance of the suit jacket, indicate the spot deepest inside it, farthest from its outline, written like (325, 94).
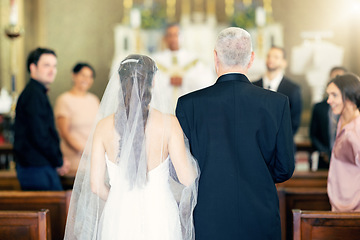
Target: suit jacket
(293, 92)
(241, 136)
(320, 132)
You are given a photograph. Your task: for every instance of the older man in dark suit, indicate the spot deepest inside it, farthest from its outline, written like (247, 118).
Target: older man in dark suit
(241, 136)
(275, 80)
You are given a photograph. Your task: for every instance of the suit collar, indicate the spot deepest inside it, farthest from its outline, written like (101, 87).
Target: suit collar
(233, 77)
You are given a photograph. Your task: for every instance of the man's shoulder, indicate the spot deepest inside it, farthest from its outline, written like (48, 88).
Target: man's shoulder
(198, 93)
(290, 83)
(30, 91)
(258, 82)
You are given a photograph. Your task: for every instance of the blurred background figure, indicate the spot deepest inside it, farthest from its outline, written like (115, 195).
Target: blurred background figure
(275, 80)
(181, 71)
(36, 143)
(344, 172)
(75, 112)
(323, 128)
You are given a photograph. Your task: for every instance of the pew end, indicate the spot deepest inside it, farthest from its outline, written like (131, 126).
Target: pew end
(57, 202)
(326, 225)
(23, 225)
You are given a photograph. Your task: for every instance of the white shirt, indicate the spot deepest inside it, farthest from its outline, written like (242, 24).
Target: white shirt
(274, 83)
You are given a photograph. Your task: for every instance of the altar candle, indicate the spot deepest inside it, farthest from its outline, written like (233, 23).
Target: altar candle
(135, 18)
(13, 13)
(260, 16)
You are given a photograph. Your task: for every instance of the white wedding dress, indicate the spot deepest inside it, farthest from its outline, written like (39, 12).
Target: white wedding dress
(149, 213)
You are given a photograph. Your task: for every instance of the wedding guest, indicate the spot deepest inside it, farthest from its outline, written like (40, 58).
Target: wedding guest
(275, 80)
(75, 112)
(344, 172)
(323, 126)
(36, 144)
(181, 71)
(241, 136)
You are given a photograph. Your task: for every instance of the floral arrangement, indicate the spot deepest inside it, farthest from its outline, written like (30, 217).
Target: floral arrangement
(154, 17)
(244, 17)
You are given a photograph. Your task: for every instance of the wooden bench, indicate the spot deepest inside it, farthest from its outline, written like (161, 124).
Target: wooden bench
(25, 225)
(9, 181)
(325, 225)
(307, 179)
(299, 198)
(57, 202)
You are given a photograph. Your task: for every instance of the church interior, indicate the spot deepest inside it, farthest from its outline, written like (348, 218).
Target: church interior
(316, 35)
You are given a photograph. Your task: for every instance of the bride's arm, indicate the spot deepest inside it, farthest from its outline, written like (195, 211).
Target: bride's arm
(98, 164)
(182, 160)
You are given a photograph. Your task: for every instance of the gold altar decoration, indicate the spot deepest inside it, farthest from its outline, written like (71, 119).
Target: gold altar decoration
(247, 2)
(171, 9)
(127, 5)
(185, 7)
(229, 8)
(268, 9)
(198, 5)
(211, 8)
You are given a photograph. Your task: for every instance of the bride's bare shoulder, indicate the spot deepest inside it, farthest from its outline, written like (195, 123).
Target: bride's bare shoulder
(162, 118)
(106, 123)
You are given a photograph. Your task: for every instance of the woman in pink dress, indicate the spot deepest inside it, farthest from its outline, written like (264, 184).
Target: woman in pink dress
(75, 112)
(344, 172)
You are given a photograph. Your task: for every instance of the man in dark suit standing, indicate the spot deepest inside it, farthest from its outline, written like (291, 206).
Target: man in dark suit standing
(275, 80)
(241, 136)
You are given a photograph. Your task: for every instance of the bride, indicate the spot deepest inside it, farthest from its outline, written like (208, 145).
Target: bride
(137, 178)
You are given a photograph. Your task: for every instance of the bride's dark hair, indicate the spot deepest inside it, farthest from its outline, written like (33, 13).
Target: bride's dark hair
(142, 68)
(136, 73)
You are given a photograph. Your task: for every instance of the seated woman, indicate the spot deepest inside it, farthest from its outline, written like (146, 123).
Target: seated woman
(75, 112)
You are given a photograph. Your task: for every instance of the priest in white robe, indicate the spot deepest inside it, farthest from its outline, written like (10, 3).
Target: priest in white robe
(180, 72)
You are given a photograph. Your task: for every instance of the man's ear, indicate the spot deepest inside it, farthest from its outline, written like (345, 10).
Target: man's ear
(32, 67)
(216, 62)
(251, 60)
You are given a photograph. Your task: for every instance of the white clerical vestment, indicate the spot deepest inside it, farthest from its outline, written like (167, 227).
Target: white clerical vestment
(195, 75)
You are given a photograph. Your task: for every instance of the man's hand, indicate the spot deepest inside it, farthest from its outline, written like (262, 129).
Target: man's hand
(176, 81)
(65, 168)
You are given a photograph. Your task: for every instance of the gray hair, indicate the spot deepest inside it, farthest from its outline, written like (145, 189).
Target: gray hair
(234, 47)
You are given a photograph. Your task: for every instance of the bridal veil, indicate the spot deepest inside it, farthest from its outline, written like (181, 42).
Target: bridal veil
(127, 101)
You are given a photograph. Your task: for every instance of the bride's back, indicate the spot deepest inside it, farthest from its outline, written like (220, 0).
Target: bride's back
(156, 138)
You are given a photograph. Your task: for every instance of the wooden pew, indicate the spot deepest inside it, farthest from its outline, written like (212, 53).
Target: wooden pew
(24, 225)
(299, 198)
(57, 202)
(9, 181)
(307, 179)
(325, 225)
